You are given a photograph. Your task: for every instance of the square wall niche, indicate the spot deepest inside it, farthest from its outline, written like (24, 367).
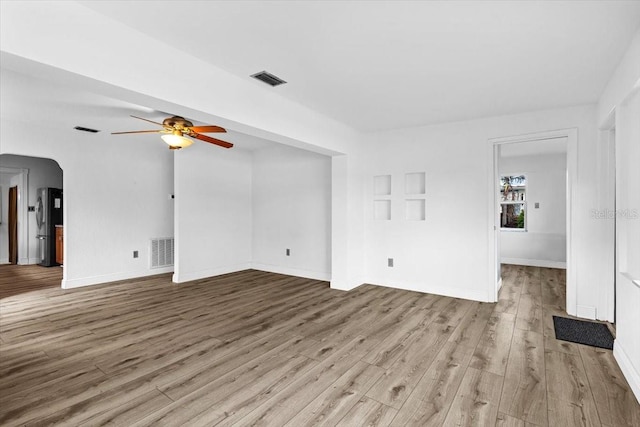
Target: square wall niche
(415, 209)
(414, 183)
(382, 185)
(382, 210)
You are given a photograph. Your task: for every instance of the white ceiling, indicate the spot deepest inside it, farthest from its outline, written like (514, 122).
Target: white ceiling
(390, 64)
(41, 102)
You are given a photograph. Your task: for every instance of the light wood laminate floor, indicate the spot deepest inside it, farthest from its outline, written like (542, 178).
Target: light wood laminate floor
(255, 348)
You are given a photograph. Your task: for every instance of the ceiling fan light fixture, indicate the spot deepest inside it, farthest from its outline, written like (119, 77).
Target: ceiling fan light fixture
(175, 128)
(177, 140)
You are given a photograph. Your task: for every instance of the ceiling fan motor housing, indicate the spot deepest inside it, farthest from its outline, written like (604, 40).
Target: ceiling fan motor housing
(177, 122)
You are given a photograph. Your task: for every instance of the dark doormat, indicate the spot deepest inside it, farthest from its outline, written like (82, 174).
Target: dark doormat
(582, 332)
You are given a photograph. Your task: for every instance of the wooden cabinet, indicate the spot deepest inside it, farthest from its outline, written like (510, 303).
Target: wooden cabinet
(59, 245)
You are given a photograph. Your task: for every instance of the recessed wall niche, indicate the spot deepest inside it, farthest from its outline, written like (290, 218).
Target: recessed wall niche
(382, 197)
(415, 209)
(382, 185)
(415, 190)
(414, 183)
(382, 210)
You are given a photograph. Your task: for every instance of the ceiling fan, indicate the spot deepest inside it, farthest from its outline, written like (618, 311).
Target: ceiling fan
(176, 129)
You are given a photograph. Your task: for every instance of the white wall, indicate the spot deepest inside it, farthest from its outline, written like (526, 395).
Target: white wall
(347, 225)
(115, 200)
(627, 344)
(449, 252)
(292, 209)
(543, 244)
(42, 173)
(212, 211)
(620, 85)
(620, 101)
(625, 77)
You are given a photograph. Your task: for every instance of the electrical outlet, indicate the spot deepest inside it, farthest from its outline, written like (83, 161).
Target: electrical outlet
(288, 252)
(390, 262)
(135, 254)
(537, 205)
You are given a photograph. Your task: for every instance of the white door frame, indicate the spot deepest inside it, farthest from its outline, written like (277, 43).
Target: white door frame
(607, 202)
(23, 219)
(493, 224)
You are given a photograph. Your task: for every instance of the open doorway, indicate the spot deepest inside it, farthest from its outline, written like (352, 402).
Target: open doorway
(13, 208)
(12, 225)
(20, 179)
(541, 249)
(532, 203)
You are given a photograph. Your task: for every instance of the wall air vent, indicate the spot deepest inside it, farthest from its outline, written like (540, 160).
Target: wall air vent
(84, 129)
(162, 252)
(268, 78)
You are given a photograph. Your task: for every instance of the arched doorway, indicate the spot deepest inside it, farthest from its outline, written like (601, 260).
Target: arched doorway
(31, 235)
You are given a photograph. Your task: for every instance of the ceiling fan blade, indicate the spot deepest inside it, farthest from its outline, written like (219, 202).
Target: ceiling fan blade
(210, 140)
(147, 120)
(136, 131)
(207, 129)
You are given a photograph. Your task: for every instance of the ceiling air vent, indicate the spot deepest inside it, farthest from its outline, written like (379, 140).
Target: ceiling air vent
(84, 129)
(268, 78)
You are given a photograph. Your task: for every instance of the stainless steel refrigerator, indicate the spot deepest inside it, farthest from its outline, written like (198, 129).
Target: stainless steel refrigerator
(48, 215)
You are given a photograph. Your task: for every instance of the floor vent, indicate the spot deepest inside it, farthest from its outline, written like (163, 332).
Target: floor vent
(162, 252)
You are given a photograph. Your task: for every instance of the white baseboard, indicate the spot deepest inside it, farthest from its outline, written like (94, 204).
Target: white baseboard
(343, 286)
(32, 261)
(307, 274)
(469, 294)
(4, 260)
(629, 371)
(534, 262)
(181, 277)
(346, 285)
(97, 280)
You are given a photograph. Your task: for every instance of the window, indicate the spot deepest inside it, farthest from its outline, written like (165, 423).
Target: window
(513, 202)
